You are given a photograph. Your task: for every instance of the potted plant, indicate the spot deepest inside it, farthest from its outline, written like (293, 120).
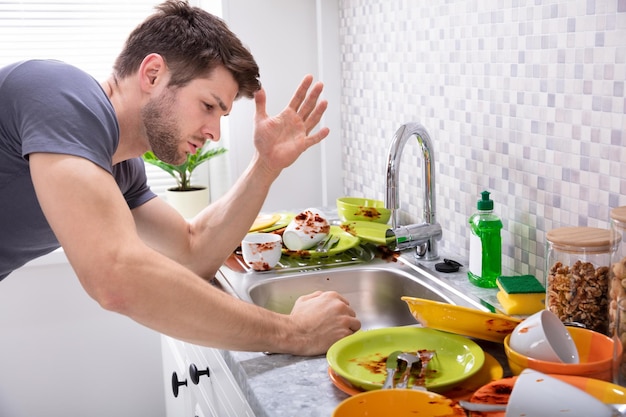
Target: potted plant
(187, 198)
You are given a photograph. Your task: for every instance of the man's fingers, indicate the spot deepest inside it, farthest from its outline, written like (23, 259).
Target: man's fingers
(300, 94)
(315, 116)
(310, 101)
(260, 99)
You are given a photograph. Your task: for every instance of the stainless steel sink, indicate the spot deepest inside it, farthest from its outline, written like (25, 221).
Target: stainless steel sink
(373, 289)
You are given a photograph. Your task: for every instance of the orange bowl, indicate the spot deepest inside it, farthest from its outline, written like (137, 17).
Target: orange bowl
(594, 349)
(398, 403)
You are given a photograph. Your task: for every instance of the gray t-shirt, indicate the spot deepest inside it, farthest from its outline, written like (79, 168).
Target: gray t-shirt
(49, 106)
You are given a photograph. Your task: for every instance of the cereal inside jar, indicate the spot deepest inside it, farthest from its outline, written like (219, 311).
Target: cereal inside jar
(577, 282)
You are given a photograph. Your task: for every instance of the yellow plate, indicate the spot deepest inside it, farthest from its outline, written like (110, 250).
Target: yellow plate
(346, 241)
(368, 231)
(263, 221)
(361, 357)
(498, 392)
(461, 320)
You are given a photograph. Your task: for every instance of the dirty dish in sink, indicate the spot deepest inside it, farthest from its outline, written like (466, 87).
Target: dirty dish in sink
(263, 221)
(398, 403)
(498, 392)
(367, 231)
(261, 251)
(285, 219)
(362, 209)
(490, 371)
(461, 320)
(346, 241)
(361, 357)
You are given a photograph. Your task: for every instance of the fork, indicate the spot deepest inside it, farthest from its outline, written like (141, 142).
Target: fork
(419, 379)
(329, 244)
(320, 246)
(412, 361)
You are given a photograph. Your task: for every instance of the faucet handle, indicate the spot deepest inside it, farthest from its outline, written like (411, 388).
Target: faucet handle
(412, 236)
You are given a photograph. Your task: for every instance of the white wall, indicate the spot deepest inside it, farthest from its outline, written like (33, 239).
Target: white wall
(62, 355)
(287, 39)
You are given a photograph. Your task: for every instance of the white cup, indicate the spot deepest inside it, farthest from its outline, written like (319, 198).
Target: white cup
(261, 251)
(306, 230)
(538, 394)
(543, 336)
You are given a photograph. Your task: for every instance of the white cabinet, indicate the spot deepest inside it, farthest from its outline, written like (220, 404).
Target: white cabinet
(204, 385)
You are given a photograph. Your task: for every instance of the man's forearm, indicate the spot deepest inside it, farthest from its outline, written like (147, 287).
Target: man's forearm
(234, 212)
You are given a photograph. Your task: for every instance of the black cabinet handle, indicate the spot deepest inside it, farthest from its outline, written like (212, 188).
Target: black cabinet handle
(195, 374)
(176, 383)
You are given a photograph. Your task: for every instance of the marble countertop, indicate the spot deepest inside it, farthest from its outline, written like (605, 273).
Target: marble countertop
(286, 386)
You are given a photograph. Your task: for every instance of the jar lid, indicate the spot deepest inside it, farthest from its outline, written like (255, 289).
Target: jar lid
(587, 239)
(619, 214)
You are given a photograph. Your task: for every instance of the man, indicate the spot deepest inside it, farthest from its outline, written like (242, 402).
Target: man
(70, 161)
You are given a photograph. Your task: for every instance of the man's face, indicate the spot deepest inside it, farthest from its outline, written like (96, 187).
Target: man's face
(180, 120)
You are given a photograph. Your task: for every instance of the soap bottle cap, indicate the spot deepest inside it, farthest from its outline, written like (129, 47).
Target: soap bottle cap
(485, 203)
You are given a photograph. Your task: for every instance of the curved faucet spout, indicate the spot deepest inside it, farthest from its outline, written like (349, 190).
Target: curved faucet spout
(392, 194)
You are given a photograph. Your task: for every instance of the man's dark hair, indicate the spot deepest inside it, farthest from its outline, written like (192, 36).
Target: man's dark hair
(192, 42)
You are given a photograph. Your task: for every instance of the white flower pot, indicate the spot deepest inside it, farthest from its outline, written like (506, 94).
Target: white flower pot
(189, 203)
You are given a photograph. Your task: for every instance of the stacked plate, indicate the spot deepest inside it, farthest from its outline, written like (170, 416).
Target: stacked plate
(357, 363)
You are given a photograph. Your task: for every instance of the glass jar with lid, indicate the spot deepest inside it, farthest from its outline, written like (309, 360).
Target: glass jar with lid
(617, 292)
(577, 275)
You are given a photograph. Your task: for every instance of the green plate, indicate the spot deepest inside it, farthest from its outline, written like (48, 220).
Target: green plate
(346, 241)
(360, 358)
(368, 231)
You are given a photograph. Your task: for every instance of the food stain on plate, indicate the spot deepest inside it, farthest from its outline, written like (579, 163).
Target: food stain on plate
(368, 231)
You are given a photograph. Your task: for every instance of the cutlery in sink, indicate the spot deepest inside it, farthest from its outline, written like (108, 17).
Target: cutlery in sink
(320, 246)
(327, 244)
(413, 366)
(392, 366)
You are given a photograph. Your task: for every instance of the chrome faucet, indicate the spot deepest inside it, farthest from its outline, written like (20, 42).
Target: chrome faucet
(422, 236)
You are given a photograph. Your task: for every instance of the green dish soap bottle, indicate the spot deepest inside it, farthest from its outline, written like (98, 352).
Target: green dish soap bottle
(485, 263)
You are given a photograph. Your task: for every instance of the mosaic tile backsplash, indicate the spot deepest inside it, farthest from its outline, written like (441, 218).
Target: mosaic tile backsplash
(524, 98)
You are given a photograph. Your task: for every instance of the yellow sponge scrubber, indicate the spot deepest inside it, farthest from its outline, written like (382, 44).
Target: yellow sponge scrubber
(520, 295)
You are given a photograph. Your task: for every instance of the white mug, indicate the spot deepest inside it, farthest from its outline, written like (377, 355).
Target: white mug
(261, 251)
(306, 230)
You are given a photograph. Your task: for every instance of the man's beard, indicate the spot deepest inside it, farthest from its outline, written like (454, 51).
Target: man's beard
(161, 130)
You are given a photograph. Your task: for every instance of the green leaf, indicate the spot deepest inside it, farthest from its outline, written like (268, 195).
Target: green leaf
(182, 173)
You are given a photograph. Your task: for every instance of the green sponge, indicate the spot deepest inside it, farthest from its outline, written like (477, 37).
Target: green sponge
(520, 284)
(521, 294)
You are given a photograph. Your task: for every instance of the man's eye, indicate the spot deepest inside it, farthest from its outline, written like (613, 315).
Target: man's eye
(208, 106)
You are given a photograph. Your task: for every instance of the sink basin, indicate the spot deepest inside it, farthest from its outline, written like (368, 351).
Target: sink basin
(374, 293)
(373, 289)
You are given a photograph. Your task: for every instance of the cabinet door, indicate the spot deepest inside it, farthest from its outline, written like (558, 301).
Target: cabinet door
(208, 403)
(175, 361)
(220, 388)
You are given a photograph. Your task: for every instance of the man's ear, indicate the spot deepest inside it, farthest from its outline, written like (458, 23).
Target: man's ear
(152, 71)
